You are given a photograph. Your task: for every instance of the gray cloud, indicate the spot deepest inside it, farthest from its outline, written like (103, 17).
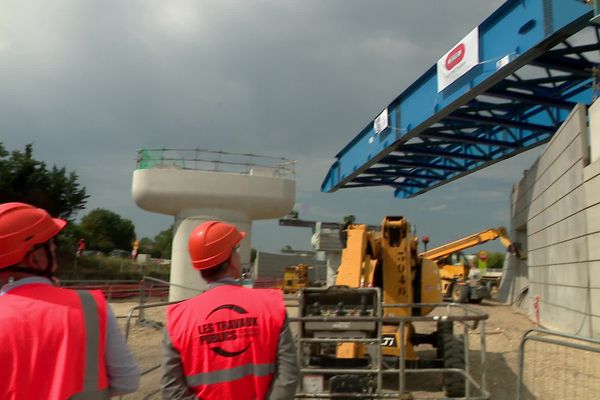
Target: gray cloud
(90, 82)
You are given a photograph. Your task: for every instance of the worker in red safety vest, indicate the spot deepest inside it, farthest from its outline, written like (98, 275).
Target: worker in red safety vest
(57, 343)
(230, 342)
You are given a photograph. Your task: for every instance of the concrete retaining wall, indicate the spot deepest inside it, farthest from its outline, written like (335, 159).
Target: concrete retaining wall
(555, 216)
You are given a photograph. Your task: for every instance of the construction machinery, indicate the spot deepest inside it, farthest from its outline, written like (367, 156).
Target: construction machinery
(295, 278)
(459, 282)
(386, 261)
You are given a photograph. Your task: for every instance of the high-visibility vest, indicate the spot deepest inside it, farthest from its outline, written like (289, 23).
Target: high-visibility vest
(227, 338)
(53, 343)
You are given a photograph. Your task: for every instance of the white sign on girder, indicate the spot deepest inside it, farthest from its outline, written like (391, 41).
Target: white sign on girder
(459, 60)
(381, 122)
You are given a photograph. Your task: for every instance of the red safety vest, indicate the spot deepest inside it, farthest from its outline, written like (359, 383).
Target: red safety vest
(52, 343)
(227, 338)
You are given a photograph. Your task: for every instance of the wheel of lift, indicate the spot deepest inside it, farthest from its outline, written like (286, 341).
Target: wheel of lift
(454, 357)
(460, 293)
(443, 328)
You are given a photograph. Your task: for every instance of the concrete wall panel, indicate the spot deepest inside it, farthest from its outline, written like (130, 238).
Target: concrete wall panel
(569, 180)
(574, 125)
(593, 218)
(592, 181)
(595, 324)
(523, 194)
(594, 113)
(571, 251)
(594, 266)
(562, 319)
(570, 228)
(562, 209)
(564, 162)
(594, 248)
(574, 274)
(567, 298)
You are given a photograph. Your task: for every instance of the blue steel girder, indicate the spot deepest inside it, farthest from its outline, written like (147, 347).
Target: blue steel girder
(492, 113)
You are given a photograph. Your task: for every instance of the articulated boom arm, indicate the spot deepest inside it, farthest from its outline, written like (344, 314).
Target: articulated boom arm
(389, 259)
(466, 242)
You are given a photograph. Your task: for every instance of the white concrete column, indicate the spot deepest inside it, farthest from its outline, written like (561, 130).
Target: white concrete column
(182, 274)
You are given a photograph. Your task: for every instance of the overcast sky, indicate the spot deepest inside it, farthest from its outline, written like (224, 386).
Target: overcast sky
(90, 82)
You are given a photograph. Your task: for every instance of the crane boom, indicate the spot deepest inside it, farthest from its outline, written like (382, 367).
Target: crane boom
(466, 242)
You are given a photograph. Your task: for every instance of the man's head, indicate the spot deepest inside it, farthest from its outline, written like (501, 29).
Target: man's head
(26, 234)
(213, 249)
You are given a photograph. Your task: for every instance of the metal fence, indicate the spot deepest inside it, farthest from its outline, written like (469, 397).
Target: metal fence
(555, 365)
(419, 382)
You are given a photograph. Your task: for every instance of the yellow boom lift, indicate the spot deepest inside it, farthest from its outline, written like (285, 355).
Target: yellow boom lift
(457, 284)
(389, 259)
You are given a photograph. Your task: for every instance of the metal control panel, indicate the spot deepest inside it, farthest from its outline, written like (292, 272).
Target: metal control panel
(336, 302)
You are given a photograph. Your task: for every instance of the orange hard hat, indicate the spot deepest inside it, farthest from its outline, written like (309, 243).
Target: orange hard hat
(22, 226)
(212, 242)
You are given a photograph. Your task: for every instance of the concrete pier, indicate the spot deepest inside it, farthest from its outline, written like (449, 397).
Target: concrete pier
(196, 185)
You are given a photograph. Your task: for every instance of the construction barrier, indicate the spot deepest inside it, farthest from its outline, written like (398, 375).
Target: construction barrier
(555, 365)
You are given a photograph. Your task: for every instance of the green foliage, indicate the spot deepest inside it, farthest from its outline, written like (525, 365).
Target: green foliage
(146, 246)
(24, 179)
(106, 231)
(495, 260)
(162, 244)
(69, 237)
(349, 219)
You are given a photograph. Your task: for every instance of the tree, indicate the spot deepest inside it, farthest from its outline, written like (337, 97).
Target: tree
(496, 260)
(146, 245)
(106, 230)
(162, 243)
(24, 179)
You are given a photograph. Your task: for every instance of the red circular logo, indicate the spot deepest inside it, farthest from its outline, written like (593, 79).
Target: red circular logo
(455, 56)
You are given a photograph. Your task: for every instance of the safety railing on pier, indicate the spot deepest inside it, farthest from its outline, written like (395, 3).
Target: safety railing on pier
(556, 365)
(221, 161)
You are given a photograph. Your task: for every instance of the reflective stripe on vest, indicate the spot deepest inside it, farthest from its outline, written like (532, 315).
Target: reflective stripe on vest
(229, 375)
(90, 374)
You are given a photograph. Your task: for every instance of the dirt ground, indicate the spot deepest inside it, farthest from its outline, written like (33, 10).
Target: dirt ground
(549, 374)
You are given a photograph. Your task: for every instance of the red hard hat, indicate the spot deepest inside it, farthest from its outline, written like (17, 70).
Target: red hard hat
(22, 226)
(212, 243)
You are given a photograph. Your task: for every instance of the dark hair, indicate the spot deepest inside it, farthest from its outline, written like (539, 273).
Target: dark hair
(215, 272)
(46, 272)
